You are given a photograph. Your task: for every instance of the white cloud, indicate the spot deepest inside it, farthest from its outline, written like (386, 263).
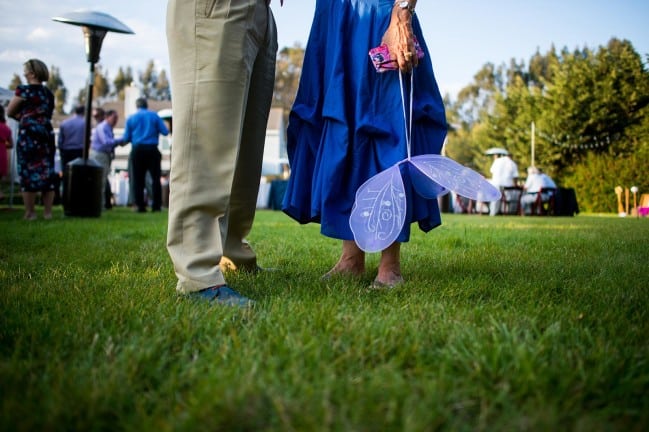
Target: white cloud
(17, 56)
(39, 34)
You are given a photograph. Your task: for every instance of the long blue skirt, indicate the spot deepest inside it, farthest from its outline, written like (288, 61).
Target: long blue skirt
(347, 123)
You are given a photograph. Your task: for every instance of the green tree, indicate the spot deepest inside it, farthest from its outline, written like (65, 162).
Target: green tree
(163, 88)
(15, 82)
(149, 80)
(508, 124)
(458, 144)
(595, 103)
(123, 79)
(470, 114)
(57, 87)
(81, 96)
(101, 87)
(287, 76)
(541, 67)
(476, 99)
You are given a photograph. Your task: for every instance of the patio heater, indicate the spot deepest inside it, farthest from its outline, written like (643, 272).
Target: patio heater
(83, 177)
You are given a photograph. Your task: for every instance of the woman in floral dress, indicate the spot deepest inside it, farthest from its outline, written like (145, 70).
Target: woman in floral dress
(32, 106)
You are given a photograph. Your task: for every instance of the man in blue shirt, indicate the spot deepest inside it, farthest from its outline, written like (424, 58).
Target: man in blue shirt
(71, 141)
(143, 130)
(102, 145)
(71, 136)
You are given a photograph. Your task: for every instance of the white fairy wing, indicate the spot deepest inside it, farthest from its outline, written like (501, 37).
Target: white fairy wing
(422, 183)
(379, 211)
(453, 176)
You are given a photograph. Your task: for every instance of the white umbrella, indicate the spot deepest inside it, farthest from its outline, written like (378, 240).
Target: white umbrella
(496, 151)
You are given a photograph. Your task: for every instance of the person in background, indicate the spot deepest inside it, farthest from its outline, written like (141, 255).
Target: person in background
(98, 114)
(71, 143)
(143, 130)
(32, 106)
(6, 143)
(536, 180)
(71, 136)
(504, 173)
(347, 123)
(223, 66)
(102, 148)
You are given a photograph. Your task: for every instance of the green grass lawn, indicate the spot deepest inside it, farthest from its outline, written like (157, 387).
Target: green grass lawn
(505, 323)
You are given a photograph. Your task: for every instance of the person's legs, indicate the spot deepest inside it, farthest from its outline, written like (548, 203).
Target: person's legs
(29, 200)
(155, 161)
(494, 207)
(48, 200)
(67, 156)
(211, 62)
(526, 202)
(351, 261)
(104, 160)
(108, 195)
(131, 187)
(247, 174)
(138, 156)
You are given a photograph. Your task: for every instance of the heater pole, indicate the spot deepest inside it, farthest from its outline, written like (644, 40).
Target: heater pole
(88, 126)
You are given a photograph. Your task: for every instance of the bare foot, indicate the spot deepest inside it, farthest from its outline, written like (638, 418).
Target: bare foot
(345, 267)
(389, 274)
(386, 280)
(351, 262)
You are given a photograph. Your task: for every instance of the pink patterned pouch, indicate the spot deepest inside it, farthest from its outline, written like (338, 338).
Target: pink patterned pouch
(380, 57)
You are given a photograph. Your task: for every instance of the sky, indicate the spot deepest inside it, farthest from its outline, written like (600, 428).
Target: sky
(462, 35)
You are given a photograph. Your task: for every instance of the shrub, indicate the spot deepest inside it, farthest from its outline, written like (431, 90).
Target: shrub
(596, 178)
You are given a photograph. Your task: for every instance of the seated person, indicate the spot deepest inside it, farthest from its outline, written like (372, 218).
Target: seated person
(504, 173)
(536, 180)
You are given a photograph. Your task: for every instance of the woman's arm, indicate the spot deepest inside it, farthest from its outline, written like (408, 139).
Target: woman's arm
(399, 36)
(13, 109)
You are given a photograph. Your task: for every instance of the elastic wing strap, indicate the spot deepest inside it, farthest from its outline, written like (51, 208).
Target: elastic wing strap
(407, 119)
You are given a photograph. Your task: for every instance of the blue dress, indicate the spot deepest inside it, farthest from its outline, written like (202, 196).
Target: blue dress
(347, 121)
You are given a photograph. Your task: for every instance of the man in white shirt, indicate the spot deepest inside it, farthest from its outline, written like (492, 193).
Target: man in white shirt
(504, 173)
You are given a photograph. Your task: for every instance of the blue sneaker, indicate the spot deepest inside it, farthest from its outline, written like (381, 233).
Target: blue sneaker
(223, 295)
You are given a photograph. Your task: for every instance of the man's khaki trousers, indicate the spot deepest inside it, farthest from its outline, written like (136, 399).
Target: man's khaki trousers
(222, 55)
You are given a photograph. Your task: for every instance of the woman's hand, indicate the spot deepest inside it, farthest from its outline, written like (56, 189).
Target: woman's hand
(399, 38)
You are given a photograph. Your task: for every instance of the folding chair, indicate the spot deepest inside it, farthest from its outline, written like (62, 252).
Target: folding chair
(544, 204)
(510, 203)
(464, 204)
